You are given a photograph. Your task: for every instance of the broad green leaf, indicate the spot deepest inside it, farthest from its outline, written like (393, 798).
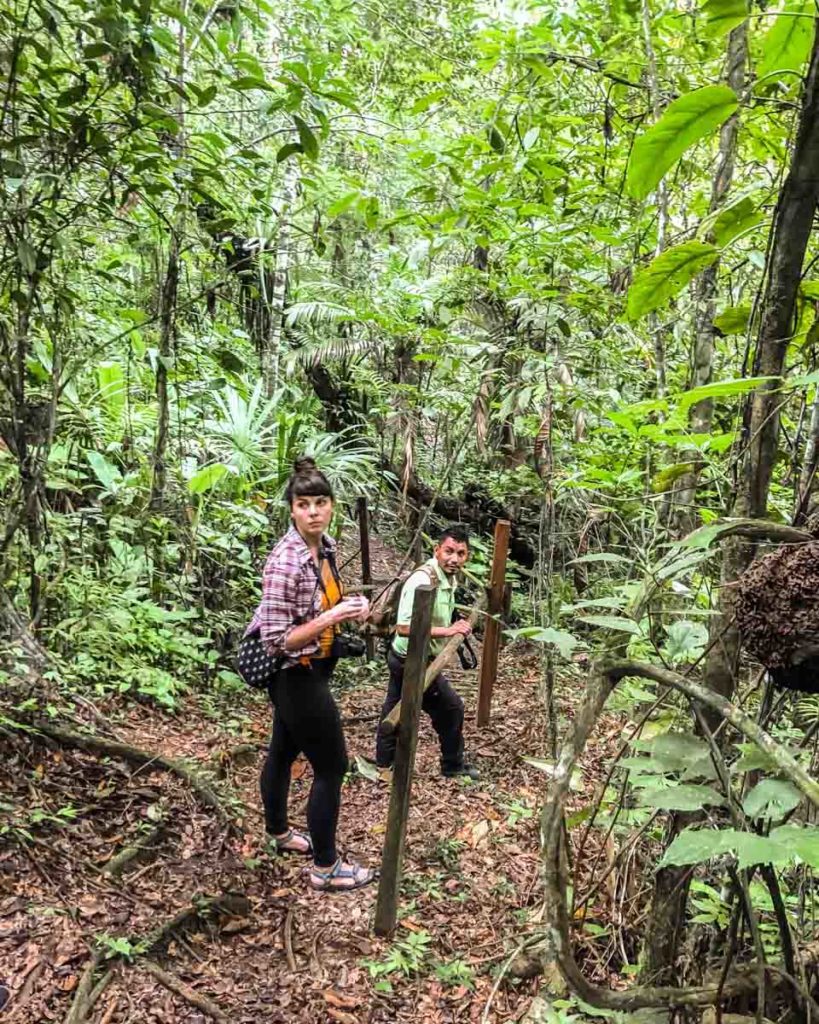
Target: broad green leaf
(207, 478)
(684, 122)
(601, 556)
(722, 15)
(687, 797)
(801, 840)
(307, 139)
(496, 140)
(668, 475)
(612, 622)
(752, 849)
(786, 45)
(736, 219)
(288, 149)
(111, 382)
(106, 472)
(564, 642)
(343, 204)
(675, 751)
(733, 319)
(771, 798)
(695, 845)
(27, 256)
(705, 536)
(246, 83)
(666, 275)
(720, 389)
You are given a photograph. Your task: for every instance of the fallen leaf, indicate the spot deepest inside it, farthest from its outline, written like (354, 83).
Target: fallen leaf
(68, 983)
(238, 924)
(337, 999)
(342, 1017)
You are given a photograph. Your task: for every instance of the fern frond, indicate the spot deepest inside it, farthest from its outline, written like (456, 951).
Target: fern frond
(318, 311)
(312, 351)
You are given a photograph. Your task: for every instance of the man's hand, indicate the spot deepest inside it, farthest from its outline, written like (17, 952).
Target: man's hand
(460, 627)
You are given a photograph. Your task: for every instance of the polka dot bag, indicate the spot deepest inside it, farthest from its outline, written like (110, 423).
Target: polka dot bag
(254, 664)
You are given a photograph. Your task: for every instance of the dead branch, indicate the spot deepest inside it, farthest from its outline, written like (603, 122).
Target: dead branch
(94, 744)
(179, 988)
(288, 941)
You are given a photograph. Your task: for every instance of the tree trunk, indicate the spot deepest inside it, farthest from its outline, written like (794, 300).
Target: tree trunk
(167, 336)
(654, 325)
(277, 300)
(791, 231)
(702, 412)
(806, 497)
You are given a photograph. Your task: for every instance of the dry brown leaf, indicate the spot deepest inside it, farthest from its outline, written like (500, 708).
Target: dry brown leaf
(334, 998)
(342, 1017)
(68, 983)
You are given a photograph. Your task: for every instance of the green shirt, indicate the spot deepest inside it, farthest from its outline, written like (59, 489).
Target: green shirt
(442, 609)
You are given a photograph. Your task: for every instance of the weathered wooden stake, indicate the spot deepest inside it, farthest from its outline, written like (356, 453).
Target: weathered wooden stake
(491, 637)
(366, 568)
(386, 908)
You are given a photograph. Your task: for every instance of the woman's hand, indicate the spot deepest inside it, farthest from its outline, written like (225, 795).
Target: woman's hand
(351, 608)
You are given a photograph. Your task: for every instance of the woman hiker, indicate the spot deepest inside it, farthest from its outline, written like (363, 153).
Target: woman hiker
(301, 606)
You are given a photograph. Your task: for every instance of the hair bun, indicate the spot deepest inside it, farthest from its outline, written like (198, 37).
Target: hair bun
(303, 464)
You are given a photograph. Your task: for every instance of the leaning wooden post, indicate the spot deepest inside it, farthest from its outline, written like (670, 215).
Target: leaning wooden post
(366, 567)
(386, 908)
(491, 637)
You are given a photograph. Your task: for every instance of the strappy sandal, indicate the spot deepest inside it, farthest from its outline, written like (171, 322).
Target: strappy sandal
(284, 844)
(342, 877)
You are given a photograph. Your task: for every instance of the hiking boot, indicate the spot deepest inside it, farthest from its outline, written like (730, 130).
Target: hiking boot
(463, 771)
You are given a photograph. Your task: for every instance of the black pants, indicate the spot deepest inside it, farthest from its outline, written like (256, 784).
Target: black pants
(444, 707)
(306, 720)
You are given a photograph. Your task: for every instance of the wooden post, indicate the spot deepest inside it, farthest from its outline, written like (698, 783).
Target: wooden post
(366, 568)
(386, 908)
(491, 637)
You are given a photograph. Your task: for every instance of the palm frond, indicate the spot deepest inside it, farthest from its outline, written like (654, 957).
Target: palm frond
(312, 351)
(318, 311)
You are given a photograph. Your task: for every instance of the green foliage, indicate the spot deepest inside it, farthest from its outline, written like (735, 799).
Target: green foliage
(684, 122)
(666, 275)
(787, 43)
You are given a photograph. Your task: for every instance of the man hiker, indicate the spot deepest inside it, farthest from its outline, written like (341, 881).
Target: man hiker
(443, 705)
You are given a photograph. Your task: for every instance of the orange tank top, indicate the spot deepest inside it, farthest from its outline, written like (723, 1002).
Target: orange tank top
(331, 594)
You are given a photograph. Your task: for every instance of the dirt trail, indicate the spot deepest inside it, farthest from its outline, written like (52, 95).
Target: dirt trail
(290, 954)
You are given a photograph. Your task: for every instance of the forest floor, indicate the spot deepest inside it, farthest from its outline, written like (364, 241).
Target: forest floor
(276, 952)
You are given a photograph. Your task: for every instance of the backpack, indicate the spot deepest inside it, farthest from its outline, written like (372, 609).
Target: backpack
(384, 609)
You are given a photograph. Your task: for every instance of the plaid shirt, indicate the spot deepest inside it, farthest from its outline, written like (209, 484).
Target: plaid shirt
(290, 595)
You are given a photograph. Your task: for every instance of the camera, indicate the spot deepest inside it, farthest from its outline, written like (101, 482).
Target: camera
(348, 645)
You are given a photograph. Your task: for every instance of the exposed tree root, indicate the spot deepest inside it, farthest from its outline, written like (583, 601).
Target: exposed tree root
(117, 864)
(95, 744)
(178, 987)
(87, 992)
(556, 947)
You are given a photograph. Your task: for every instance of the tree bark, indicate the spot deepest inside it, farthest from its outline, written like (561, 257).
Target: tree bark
(277, 300)
(167, 335)
(791, 230)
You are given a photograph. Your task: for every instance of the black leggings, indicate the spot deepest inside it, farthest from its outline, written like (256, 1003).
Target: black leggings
(306, 720)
